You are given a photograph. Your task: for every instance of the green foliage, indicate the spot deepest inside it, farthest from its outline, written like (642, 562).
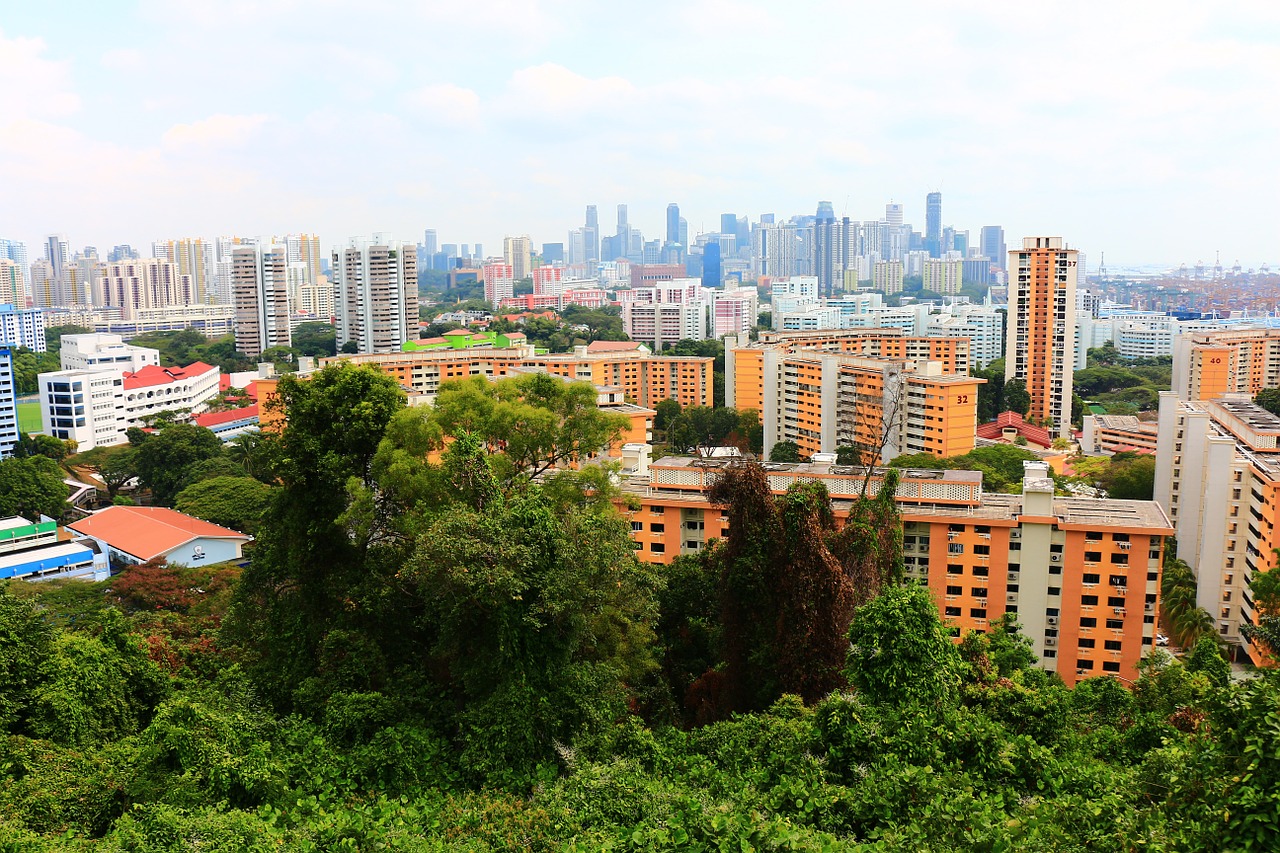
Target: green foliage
(785, 451)
(42, 445)
(899, 651)
(1000, 464)
(315, 339)
(1269, 399)
(32, 487)
(236, 502)
(700, 426)
(166, 459)
(666, 411)
(1016, 398)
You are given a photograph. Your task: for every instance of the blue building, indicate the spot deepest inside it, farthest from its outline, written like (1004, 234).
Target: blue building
(711, 265)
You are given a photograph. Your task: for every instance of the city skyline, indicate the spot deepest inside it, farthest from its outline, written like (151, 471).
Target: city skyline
(1131, 135)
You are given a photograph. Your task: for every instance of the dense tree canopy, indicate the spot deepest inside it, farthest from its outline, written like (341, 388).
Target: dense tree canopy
(32, 487)
(165, 460)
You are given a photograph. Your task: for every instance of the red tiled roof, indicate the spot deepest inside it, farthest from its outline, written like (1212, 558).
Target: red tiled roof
(212, 419)
(1006, 420)
(146, 532)
(154, 374)
(457, 332)
(612, 346)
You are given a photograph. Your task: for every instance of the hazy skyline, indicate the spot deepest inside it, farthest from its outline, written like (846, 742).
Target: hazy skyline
(1145, 130)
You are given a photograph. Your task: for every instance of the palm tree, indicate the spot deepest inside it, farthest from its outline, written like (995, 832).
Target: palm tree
(247, 449)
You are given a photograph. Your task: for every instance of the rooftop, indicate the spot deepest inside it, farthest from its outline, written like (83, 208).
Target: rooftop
(148, 532)
(211, 419)
(154, 374)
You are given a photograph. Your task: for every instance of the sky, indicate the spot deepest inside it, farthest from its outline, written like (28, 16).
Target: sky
(1146, 130)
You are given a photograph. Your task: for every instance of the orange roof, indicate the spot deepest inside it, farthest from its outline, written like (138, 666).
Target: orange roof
(154, 374)
(146, 532)
(210, 419)
(457, 332)
(1012, 420)
(613, 346)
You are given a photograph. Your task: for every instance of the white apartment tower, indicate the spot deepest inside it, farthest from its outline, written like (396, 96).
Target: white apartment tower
(1042, 318)
(194, 257)
(376, 293)
(260, 293)
(518, 251)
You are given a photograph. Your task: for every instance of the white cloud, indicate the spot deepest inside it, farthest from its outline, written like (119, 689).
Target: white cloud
(447, 104)
(33, 85)
(122, 59)
(216, 131)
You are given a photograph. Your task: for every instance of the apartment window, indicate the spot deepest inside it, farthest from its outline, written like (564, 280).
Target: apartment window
(1090, 578)
(953, 569)
(1055, 548)
(1092, 536)
(982, 528)
(657, 548)
(1115, 624)
(1055, 590)
(978, 612)
(1086, 643)
(952, 611)
(658, 528)
(1093, 556)
(1111, 666)
(1013, 587)
(1050, 653)
(981, 592)
(637, 526)
(1089, 600)
(955, 547)
(1115, 601)
(1084, 664)
(1119, 580)
(955, 590)
(1120, 559)
(1088, 622)
(980, 571)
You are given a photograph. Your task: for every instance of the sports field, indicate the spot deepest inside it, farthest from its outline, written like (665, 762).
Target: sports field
(29, 417)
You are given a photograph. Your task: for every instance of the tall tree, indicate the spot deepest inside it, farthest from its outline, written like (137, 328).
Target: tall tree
(164, 458)
(32, 487)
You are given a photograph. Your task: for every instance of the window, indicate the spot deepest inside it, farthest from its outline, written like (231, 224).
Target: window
(955, 590)
(637, 526)
(1111, 645)
(1120, 559)
(1055, 590)
(1084, 664)
(1093, 556)
(1088, 622)
(1119, 580)
(657, 548)
(978, 612)
(953, 611)
(1086, 643)
(1089, 579)
(953, 569)
(981, 528)
(1111, 666)
(955, 547)
(1013, 587)
(658, 528)
(1115, 601)
(980, 571)
(1089, 600)
(1015, 546)
(982, 549)
(978, 591)
(1116, 624)
(1050, 653)
(1055, 548)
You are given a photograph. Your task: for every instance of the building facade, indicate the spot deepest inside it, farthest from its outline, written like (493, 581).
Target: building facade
(1082, 575)
(375, 285)
(1040, 349)
(260, 292)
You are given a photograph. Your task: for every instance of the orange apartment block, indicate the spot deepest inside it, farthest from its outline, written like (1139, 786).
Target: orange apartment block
(1082, 574)
(1040, 348)
(645, 379)
(1207, 365)
(825, 390)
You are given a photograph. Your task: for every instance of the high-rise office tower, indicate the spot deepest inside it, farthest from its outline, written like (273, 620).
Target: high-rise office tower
(893, 214)
(518, 252)
(575, 247)
(375, 283)
(260, 293)
(673, 223)
(430, 244)
(933, 224)
(122, 252)
(194, 257)
(1040, 345)
(479, 253)
(834, 248)
(729, 223)
(57, 251)
(684, 232)
(591, 235)
(711, 269)
(623, 239)
(992, 244)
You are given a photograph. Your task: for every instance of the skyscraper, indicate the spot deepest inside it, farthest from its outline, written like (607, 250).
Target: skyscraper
(57, 251)
(518, 252)
(729, 223)
(711, 275)
(673, 223)
(375, 283)
(893, 214)
(14, 250)
(1042, 317)
(834, 248)
(591, 235)
(305, 249)
(194, 257)
(992, 244)
(138, 285)
(13, 283)
(260, 293)
(429, 242)
(933, 224)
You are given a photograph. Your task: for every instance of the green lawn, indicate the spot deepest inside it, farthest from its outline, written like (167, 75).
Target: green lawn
(29, 417)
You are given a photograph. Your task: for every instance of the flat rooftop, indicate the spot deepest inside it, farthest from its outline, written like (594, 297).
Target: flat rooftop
(823, 469)
(1251, 414)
